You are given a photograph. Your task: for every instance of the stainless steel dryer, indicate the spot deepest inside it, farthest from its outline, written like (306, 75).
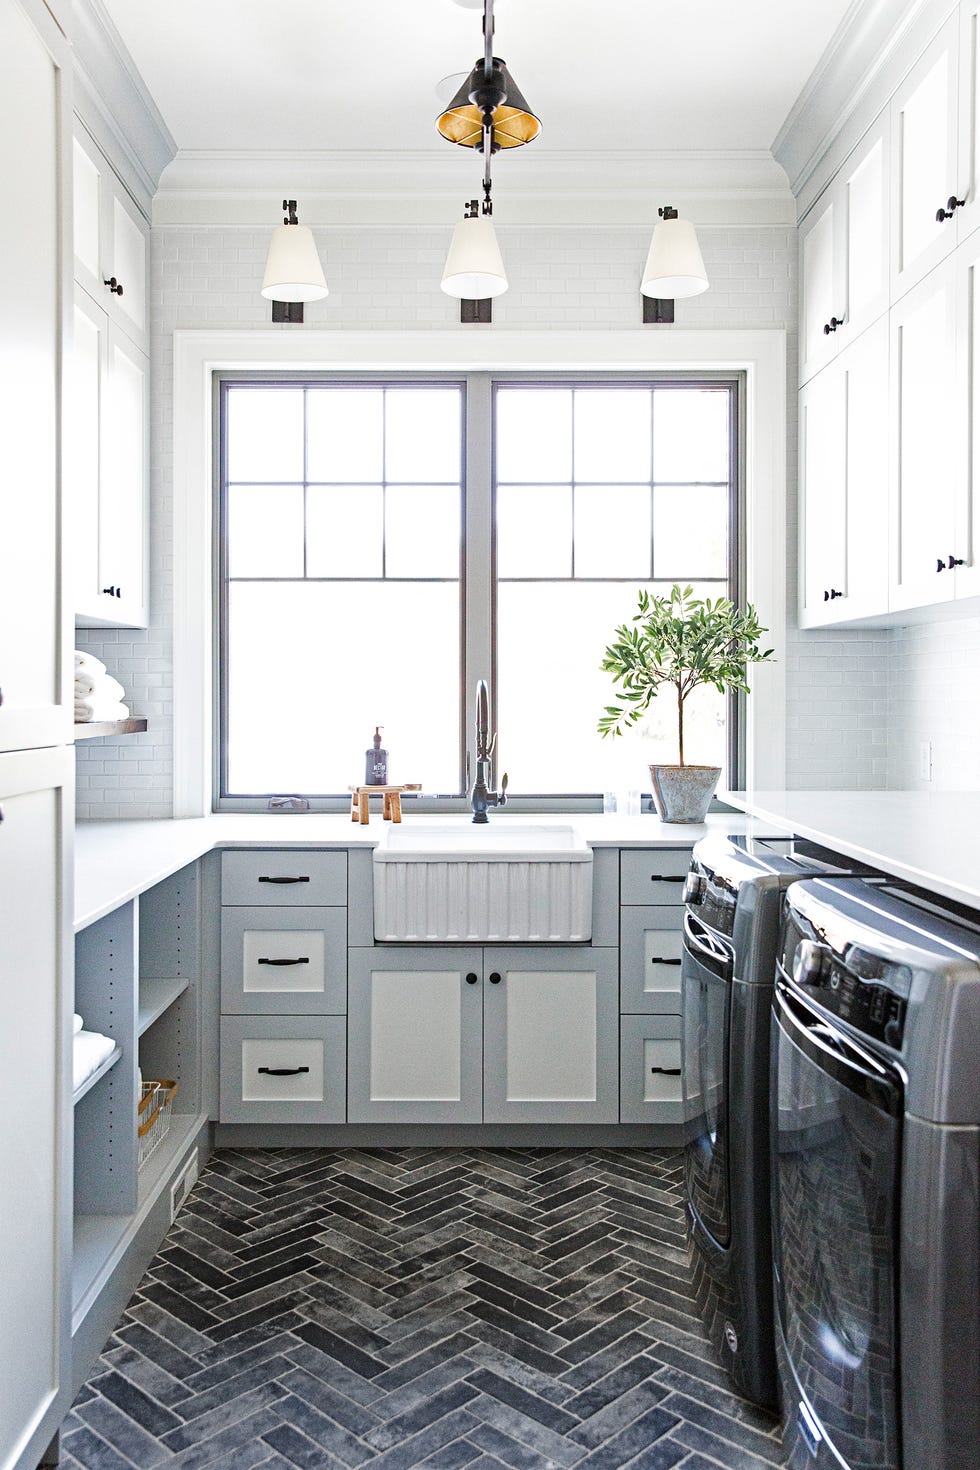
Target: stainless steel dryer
(733, 897)
(876, 1177)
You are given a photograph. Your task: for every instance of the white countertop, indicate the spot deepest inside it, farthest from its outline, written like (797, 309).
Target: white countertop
(115, 861)
(928, 838)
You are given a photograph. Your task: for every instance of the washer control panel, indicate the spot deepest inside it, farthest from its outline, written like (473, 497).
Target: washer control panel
(867, 991)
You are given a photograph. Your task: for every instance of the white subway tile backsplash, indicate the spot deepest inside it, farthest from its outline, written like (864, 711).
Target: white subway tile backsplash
(852, 696)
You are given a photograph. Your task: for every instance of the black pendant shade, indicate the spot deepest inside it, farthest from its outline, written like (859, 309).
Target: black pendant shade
(513, 121)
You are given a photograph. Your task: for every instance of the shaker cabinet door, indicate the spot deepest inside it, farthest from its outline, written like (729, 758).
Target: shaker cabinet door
(925, 129)
(34, 248)
(550, 1035)
(36, 789)
(929, 442)
(415, 1035)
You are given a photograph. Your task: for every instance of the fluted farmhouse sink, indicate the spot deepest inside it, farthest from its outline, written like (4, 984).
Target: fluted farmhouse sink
(504, 883)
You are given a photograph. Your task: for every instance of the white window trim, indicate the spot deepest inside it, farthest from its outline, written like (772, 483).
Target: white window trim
(760, 354)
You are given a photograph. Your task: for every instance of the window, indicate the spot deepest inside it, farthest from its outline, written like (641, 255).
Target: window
(342, 519)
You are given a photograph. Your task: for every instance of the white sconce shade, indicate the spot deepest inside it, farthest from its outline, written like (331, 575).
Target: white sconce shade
(674, 265)
(292, 270)
(474, 269)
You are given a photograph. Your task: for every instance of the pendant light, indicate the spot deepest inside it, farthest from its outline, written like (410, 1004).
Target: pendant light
(292, 270)
(474, 268)
(487, 113)
(674, 265)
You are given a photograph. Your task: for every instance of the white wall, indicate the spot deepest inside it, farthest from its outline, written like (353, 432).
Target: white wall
(585, 276)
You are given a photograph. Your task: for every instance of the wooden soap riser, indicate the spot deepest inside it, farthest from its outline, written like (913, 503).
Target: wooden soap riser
(391, 808)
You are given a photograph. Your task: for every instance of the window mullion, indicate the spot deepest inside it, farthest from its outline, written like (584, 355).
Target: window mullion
(478, 614)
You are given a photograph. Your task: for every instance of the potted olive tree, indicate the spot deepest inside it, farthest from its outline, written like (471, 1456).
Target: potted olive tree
(684, 641)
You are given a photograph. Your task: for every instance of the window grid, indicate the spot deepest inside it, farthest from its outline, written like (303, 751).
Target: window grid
(497, 385)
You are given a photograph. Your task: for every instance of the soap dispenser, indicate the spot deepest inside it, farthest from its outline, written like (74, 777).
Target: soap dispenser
(376, 762)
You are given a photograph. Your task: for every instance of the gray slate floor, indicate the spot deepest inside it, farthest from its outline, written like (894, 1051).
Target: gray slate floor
(522, 1308)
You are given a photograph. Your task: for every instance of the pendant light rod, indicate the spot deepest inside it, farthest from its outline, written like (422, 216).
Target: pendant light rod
(488, 39)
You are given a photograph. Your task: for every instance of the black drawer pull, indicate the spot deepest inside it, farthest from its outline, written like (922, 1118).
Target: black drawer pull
(667, 1071)
(661, 959)
(472, 978)
(304, 960)
(666, 878)
(282, 1071)
(284, 880)
(495, 978)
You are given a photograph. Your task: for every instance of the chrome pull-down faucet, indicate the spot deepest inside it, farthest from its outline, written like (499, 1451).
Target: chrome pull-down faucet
(481, 797)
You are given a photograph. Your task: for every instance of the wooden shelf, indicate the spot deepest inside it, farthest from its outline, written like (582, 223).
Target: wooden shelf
(97, 1075)
(96, 729)
(155, 997)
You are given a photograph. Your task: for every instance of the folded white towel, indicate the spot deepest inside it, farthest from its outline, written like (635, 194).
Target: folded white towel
(89, 1051)
(92, 710)
(87, 663)
(104, 685)
(78, 1023)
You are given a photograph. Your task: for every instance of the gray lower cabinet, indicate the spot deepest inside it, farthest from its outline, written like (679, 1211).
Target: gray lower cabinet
(276, 960)
(650, 959)
(650, 1069)
(464, 1035)
(283, 1069)
(549, 1035)
(415, 1018)
(307, 878)
(651, 920)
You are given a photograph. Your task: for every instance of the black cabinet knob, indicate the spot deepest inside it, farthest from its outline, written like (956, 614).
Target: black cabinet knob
(112, 591)
(832, 325)
(471, 979)
(940, 564)
(952, 205)
(114, 286)
(494, 978)
(953, 561)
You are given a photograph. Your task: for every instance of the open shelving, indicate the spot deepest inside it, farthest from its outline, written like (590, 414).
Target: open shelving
(97, 1075)
(137, 980)
(98, 729)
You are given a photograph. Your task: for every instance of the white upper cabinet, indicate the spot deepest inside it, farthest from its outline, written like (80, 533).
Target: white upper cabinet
(821, 284)
(929, 440)
(107, 468)
(844, 484)
(844, 255)
(110, 242)
(35, 250)
(926, 158)
(966, 547)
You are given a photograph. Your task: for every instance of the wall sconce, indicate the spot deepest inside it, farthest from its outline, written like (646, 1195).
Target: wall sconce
(293, 273)
(674, 266)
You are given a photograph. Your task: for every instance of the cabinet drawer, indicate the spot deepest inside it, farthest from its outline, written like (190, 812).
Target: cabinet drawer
(274, 878)
(655, 876)
(650, 959)
(276, 961)
(650, 1070)
(283, 1069)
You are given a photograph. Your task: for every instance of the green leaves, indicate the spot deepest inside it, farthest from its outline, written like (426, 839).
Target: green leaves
(680, 640)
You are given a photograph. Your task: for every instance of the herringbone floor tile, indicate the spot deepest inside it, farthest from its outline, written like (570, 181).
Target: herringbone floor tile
(497, 1309)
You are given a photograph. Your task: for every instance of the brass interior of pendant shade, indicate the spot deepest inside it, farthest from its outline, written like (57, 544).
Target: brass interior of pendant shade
(513, 121)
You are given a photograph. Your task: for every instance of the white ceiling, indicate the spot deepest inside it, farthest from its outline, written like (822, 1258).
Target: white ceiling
(299, 75)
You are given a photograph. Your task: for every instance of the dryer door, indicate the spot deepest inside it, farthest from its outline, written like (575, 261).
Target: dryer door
(706, 975)
(837, 1134)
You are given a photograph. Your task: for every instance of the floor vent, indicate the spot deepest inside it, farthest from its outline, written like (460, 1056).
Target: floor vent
(183, 1184)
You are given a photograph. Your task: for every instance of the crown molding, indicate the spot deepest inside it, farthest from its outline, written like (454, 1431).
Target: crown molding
(873, 48)
(112, 101)
(429, 187)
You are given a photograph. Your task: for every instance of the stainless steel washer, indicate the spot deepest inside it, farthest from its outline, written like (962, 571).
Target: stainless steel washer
(734, 895)
(876, 1179)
